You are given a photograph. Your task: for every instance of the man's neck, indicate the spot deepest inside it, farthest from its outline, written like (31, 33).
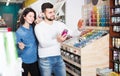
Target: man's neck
(49, 22)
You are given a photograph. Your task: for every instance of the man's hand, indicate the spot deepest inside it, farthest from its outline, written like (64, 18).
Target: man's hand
(61, 38)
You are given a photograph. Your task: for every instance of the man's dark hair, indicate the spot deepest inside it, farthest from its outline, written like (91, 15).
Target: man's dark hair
(45, 6)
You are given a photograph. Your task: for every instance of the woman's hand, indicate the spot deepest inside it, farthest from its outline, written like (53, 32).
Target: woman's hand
(21, 45)
(39, 17)
(38, 20)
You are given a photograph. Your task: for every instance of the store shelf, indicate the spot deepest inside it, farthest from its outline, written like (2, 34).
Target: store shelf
(70, 61)
(115, 15)
(113, 7)
(115, 49)
(71, 72)
(95, 27)
(3, 29)
(117, 24)
(115, 61)
(73, 49)
(115, 36)
(71, 46)
(3, 26)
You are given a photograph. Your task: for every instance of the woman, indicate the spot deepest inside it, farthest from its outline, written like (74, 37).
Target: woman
(27, 43)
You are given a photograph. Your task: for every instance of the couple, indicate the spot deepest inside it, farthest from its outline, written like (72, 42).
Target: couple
(47, 34)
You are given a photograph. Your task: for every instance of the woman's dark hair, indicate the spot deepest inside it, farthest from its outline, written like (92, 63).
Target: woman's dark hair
(24, 13)
(45, 6)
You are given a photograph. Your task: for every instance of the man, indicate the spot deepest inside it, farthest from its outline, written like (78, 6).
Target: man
(48, 33)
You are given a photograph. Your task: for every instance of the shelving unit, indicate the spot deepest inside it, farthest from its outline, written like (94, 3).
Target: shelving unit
(115, 36)
(94, 27)
(2, 23)
(84, 61)
(3, 26)
(96, 15)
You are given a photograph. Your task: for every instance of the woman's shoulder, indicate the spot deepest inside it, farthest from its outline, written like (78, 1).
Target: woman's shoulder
(19, 30)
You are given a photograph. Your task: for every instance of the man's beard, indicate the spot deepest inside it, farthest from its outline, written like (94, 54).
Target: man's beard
(49, 19)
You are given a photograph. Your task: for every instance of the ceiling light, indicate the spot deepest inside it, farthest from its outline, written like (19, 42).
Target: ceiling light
(7, 3)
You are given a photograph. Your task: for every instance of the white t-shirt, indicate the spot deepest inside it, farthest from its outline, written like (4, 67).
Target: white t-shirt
(46, 35)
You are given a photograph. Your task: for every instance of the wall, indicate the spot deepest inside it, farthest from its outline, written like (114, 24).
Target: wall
(37, 5)
(11, 9)
(73, 13)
